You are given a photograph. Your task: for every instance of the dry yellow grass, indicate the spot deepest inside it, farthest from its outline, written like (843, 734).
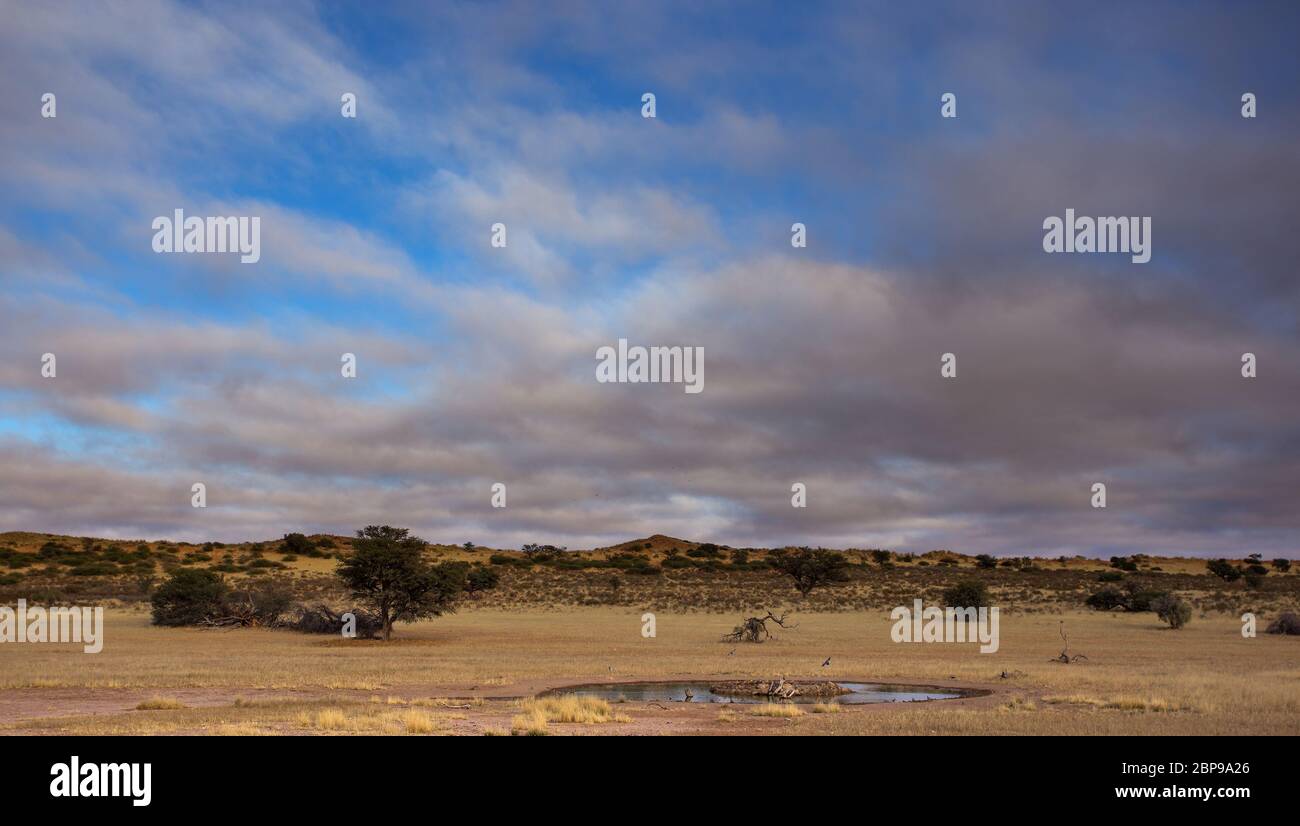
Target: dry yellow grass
(776, 710)
(369, 721)
(1138, 679)
(532, 723)
(571, 708)
(159, 704)
(241, 730)
(330, 719)
(1018, 704)
(419, 722)
(826, 708)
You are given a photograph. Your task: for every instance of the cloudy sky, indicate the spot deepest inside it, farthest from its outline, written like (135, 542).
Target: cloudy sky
(477, 364)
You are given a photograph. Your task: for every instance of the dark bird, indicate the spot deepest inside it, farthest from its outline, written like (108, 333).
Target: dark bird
(828, 662)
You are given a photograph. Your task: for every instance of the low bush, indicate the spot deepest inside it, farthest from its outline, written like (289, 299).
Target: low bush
(1173, 610)
(481, 579)
(1286, 623)
(93, 569)
(188, 597)
(1132, 597)
(1106, 599)
(969, 594)
(1224, 570)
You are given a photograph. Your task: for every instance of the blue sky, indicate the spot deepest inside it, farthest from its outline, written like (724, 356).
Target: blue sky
(476, 364)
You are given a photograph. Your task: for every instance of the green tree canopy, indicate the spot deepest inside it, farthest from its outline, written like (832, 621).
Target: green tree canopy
(810, 568)
(387, 571)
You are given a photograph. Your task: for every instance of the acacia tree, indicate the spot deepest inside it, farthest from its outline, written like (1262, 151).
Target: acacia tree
(1224, 570)
(387, 570)
(810, 569)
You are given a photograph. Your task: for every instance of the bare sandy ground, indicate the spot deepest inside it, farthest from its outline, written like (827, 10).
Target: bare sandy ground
(19, 709)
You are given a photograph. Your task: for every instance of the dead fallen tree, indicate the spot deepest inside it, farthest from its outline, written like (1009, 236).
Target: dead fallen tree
(315, 619)
(260, 607)
(778, 689)
(754, 629)
(321, 619)
(1286, 623)
(1065, 656)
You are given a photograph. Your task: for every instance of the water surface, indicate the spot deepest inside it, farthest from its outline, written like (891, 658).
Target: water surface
(698, 692)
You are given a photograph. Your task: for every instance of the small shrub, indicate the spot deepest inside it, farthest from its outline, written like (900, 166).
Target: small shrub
(1173, 610)
(92, 569)
(1224, 570)
(969, 594)
(1142, 600)
(187, 597)
(1106, 599)
(481, 579)
(1286, 623)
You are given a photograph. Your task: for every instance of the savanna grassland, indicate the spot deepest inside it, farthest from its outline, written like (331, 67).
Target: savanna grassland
(573, 618)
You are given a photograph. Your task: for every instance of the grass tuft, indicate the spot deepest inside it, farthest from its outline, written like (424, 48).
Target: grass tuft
(160, 704)
(777, 710)
(419, 722)
(570, 708)
(532, 723)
